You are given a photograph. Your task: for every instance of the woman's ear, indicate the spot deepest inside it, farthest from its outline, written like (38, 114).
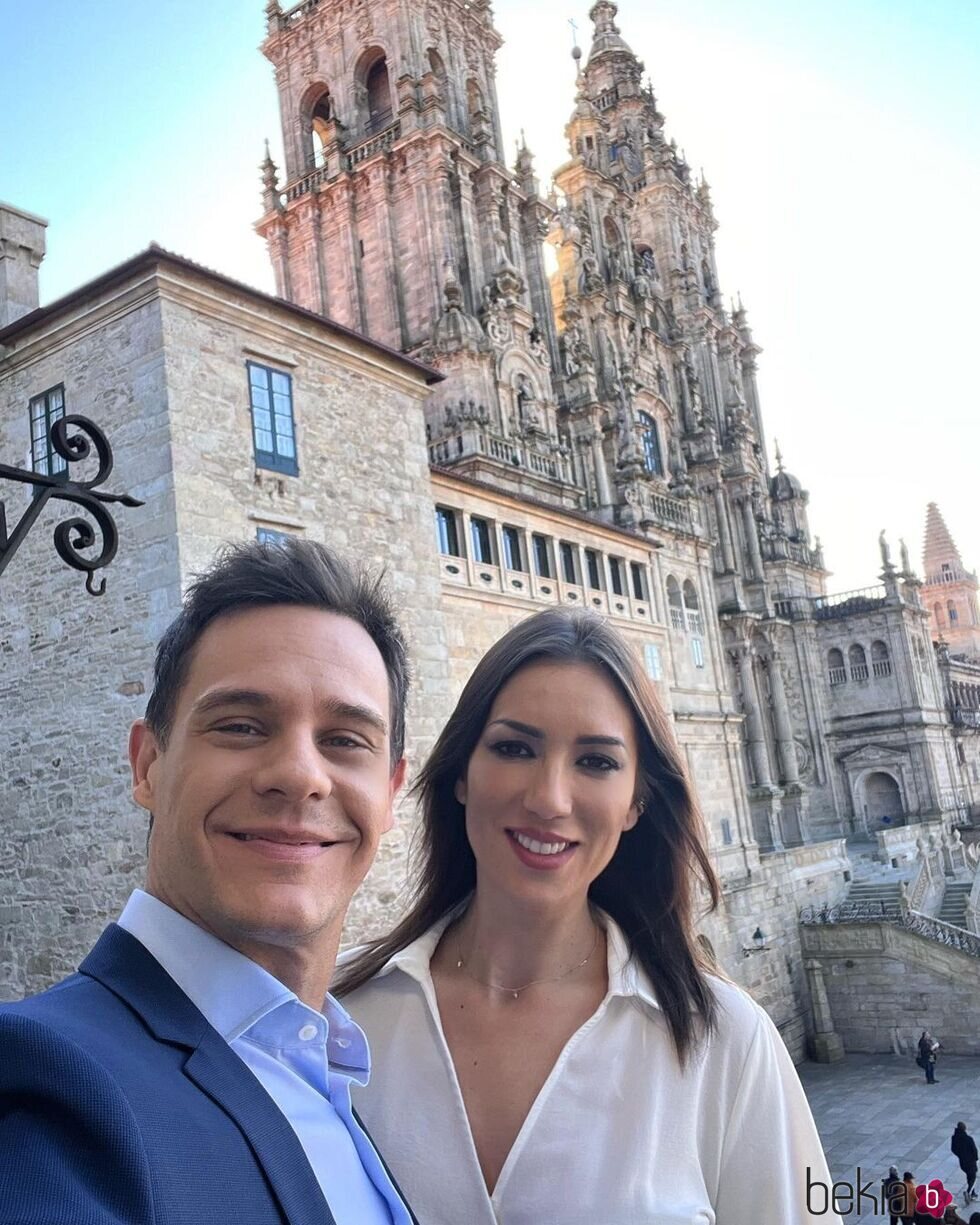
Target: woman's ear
(636, 810)
(459, 791)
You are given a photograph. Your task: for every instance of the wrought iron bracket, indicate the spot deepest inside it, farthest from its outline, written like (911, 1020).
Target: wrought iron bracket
(74, 534)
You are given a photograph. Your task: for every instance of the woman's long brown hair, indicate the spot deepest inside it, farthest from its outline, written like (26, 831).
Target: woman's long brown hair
(650, 885)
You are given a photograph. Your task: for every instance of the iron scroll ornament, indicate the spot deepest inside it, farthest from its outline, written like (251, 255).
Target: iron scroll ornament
(74, 534)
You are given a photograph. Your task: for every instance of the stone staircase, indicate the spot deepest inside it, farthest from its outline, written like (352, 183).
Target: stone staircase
(870, 900)
(953, 909)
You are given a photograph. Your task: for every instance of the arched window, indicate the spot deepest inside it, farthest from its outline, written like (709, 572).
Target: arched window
(320, 116)
(937, 612)
(378, 89)
(858, 662)
(652, 457)
(675, 603)
(648, 265)
(836, 672)
(693, 608)
(881, 664)
(951, 611)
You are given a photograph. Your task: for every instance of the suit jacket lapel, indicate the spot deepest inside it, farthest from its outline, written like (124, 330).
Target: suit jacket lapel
(121, 963)
(279, 1152)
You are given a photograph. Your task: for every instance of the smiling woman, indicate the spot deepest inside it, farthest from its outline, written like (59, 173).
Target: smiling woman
(545, 1005)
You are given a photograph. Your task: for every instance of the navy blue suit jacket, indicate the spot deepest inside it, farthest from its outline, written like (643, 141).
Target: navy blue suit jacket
(119, 1103)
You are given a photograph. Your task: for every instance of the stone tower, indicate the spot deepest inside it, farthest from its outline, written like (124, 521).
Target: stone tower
(399, 218)
(950, 590)
(619, 386)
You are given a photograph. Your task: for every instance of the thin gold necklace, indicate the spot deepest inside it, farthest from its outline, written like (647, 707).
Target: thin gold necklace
(516, 991)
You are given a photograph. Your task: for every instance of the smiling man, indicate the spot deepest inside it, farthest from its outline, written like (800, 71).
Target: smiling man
(196, 1069)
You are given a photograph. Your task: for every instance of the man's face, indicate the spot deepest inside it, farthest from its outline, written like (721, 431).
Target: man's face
(276, 782)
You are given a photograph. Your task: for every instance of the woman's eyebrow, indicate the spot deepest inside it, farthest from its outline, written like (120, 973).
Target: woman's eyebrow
(524, 728)
(527, 730)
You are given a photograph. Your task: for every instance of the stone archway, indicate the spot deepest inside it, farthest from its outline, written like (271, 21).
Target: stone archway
(883, 805)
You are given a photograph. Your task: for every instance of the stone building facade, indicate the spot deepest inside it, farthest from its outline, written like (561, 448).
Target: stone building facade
(596, 440)
(161, 355)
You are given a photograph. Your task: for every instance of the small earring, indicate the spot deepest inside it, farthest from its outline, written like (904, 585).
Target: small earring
(641, 807)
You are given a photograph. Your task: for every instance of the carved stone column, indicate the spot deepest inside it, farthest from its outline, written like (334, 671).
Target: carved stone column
(789, 769)
(827, 1044)
(754, 734)
(724, 531)
(601, 475)
(752, 539)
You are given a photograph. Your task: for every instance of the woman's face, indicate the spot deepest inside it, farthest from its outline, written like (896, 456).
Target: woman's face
(550, 786)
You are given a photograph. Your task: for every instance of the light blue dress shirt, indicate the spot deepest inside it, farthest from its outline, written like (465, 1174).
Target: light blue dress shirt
(305, 1060)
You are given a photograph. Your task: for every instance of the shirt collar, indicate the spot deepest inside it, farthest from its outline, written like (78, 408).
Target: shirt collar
(626, 977)
(232, 991)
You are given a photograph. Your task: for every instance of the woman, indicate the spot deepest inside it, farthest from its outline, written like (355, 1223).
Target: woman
(548, 1043)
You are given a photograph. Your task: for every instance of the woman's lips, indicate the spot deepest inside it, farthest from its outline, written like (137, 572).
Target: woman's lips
(539, 852)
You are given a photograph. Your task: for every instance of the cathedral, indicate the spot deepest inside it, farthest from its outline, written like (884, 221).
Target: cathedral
(598, 437)
(513, 396)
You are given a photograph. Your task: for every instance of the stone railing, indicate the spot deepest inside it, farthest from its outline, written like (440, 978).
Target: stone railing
(476, 440)
(665, 511)
(376, 143)
(911, 920)
(865, 599)
(299, 187)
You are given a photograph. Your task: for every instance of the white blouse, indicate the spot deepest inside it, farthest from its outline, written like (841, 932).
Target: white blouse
(618, 1135)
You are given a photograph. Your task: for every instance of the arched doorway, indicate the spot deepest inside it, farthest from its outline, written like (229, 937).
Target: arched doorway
(883, 807)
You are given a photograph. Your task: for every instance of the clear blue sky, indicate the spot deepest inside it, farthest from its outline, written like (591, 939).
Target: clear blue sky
(840, 138)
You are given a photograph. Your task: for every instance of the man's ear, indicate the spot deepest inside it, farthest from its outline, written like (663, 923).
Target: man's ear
(394, 786)
(144, 749)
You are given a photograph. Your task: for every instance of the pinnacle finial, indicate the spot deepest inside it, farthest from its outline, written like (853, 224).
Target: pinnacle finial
(779, 457)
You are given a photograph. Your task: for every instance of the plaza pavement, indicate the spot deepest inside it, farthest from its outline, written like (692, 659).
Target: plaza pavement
(874, 1111)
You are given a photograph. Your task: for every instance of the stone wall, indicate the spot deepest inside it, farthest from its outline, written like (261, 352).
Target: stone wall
(886, 984)
(74, 670)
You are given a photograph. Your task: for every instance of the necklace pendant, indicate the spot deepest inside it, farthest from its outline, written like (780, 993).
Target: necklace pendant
(516, 994)
(459, 964)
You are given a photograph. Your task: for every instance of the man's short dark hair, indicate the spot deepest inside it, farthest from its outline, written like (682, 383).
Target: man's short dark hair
(295, 572)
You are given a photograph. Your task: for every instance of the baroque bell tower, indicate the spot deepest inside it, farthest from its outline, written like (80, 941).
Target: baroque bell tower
(398, 217)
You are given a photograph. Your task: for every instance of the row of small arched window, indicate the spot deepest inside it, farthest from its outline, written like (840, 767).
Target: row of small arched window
(373, 92)
(856, 667)
(683, 605)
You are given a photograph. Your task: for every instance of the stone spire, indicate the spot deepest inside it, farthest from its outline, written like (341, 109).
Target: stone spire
(950, 591)
(938, 547)
(611, 63)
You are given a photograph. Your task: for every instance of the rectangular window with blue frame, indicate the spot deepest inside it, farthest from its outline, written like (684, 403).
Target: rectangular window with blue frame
(513, 554)
(446, 535)
(269, 535)
(45, 410)
(273, 425)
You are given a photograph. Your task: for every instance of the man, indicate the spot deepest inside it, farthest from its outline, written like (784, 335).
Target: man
(928, 1053)
(892, 1195)
(964, 1149)
(195, 1069)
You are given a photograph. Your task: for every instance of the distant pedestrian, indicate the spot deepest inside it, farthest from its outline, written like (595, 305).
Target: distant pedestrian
(928, 1052)
(964, 1149)
(905, 1202)
(892, 1195)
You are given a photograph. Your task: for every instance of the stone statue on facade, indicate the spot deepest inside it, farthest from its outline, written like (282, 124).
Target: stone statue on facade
(886, 555)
